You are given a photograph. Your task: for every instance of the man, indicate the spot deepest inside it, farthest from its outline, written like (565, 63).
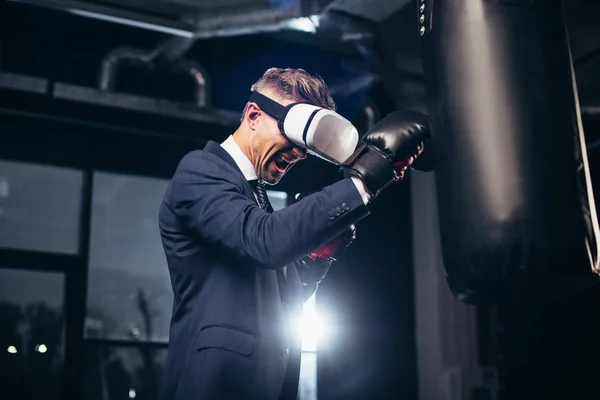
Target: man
(240, 271)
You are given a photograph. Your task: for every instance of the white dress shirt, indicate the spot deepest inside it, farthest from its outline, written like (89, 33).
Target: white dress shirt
(231, 147)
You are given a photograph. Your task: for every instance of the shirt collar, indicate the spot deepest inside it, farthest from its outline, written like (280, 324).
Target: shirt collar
(243, 163)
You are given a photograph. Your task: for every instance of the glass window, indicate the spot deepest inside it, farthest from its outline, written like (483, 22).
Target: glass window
(278, 199)
(119, 372)
(39, 207)
(31, 334)
(129, 290)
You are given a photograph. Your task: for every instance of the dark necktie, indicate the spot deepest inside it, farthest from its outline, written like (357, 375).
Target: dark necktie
(265, 204)
(261, 194)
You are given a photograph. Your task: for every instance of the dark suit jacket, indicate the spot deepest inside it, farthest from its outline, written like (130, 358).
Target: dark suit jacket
(228, 336)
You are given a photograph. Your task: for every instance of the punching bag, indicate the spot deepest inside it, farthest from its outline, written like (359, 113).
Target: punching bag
(516, 209)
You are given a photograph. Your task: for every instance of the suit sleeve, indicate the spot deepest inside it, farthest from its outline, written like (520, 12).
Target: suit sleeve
(214, 209)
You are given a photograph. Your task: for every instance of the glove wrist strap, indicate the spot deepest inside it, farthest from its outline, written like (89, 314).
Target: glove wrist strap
(373, 167)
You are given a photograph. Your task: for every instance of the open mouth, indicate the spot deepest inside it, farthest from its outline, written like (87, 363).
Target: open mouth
(282, 163)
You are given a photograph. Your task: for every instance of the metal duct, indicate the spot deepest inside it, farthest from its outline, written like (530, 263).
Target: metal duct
(159, 58)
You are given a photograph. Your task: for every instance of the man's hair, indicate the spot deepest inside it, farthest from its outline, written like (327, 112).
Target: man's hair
(295, 85)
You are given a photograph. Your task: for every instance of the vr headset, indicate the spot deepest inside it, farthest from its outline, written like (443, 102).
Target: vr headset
(322, 132)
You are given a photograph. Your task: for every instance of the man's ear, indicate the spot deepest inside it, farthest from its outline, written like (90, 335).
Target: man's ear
(253, 115)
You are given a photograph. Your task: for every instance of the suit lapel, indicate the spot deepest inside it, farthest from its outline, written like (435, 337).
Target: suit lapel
(216, 149)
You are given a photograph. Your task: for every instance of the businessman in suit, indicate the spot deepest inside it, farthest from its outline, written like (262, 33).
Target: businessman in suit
(239, 271)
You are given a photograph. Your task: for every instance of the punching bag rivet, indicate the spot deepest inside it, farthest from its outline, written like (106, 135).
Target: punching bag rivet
(422, 31)
(422, 18)
(422, 8)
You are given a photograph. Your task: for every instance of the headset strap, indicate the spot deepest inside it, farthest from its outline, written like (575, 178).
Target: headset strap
(271, 107)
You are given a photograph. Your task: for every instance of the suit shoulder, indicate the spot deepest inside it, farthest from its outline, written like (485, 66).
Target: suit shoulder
(205, 165)
(201, 161)
(199, 156)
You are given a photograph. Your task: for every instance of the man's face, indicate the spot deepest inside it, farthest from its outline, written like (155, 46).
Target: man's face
(274, 154)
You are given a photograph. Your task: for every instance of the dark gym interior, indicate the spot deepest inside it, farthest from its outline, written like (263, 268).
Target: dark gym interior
(99, 100)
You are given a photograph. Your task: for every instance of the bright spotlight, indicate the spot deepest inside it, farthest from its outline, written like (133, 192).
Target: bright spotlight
(132, 393)
(12, 349)
(41, 348)
(312, 327)
(303, 24)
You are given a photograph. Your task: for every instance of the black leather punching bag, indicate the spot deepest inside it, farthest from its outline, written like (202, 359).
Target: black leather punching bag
(516, 208)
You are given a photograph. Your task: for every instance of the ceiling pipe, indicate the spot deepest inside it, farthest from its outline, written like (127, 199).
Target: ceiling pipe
(165, 56)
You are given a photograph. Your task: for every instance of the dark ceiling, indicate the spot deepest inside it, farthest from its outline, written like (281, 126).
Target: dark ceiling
(367, 51)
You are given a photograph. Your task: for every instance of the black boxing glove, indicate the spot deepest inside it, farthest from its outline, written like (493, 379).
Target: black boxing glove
(336, 247)
(389, 149)
(313, 267)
